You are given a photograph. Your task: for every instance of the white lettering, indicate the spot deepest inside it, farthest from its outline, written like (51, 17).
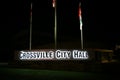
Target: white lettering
(62, 54)
(36, 55)
(80, 54)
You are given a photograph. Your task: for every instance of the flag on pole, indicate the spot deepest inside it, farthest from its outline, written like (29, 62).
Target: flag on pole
(53, 3)
(80, 16)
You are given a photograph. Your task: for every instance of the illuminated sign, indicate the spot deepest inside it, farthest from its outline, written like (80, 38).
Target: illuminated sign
(53, 55)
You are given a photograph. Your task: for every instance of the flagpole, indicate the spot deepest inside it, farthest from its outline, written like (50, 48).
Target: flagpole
(30, 41)
(82, 39)
(80, 18)
(55, 27)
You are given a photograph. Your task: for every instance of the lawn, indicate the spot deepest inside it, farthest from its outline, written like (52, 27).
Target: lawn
(37, 74)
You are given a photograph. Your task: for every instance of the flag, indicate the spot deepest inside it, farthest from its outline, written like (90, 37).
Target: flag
(80, 16)
(53, 3)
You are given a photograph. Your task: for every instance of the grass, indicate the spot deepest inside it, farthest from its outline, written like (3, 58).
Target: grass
(32, 74)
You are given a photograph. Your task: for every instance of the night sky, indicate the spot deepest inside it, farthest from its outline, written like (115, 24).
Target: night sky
(100, 23)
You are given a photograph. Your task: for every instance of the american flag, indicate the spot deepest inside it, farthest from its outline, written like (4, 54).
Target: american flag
(80, 16)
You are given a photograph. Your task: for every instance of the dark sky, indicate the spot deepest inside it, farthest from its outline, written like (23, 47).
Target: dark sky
(100, 22)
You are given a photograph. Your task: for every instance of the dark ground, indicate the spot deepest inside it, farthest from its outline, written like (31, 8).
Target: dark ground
(14, 72)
